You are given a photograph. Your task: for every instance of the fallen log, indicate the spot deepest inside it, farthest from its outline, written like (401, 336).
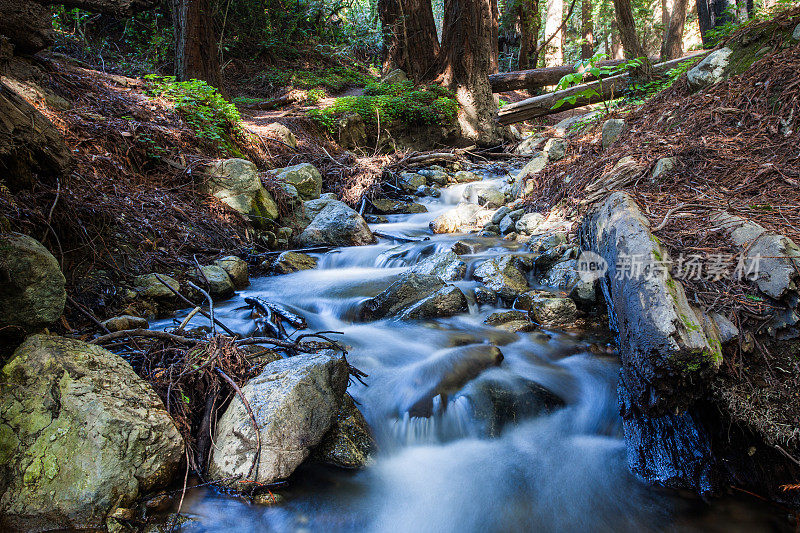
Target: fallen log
(540, 77)
(587, 93)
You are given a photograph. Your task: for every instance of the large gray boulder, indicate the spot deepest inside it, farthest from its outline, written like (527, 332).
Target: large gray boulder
(81, 433)
(305, 177)
(314, 207)
(521, 186)
(236, 183)
(336, 225)
(214, 279)
(237, 270)
(666, 356)
(710, 70)
(504, 275)
(32, 291)
(295, 401)
(415, 296)
(447, 265)
(282, 133)
(489, 194)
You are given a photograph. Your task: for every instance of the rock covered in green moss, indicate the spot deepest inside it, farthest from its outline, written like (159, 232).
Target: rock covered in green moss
(236, 183)
(237, 269)
(32, 291)
(149, 286)
(80, 433)
(306, 179)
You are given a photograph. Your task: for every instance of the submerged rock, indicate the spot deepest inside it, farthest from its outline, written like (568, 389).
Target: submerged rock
(32, 291)
(564, 276)
(295, 401)
(443, 374)
(349, 443)
(81, 434)
(336, 225)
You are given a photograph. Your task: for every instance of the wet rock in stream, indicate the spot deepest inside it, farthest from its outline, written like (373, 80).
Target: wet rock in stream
(416, 296)
(295, 402)
(349, 443)
(504, 275)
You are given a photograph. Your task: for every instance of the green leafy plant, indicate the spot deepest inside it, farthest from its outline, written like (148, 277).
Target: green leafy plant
(393, 104)
(591, 67)
(210, 116)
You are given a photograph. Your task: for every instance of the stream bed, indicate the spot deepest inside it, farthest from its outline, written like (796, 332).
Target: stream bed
(473, 466)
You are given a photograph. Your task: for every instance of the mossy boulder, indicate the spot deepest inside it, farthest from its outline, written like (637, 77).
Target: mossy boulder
(306, 179)
(32, 291)
(80, 434)
(236, 183)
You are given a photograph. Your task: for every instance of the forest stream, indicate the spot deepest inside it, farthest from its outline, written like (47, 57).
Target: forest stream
(497, 458)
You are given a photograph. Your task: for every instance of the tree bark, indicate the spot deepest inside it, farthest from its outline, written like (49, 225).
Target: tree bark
(464, 63)
(711, 14)
(588, 93)
(28, 25)
(410, 42)
(673, 42)
(539, 77)
(587, 30)
(616, 42)
(529, 23)
(627, 29)
(553, 26)
(29, 142)
(196, 54)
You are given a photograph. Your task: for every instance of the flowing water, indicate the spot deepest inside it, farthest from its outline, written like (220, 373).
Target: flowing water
(469, 467)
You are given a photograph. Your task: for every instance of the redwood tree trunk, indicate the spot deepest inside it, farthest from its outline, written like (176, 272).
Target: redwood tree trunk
(713, 13)
(587, 30)
(673, 43)
(627, 29)
(464, 63)
(409, 37)
(195, 43)
(529, 24)
(553, 26)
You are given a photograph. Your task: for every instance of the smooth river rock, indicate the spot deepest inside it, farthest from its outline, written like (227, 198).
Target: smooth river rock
(336, 225)
(295, 401)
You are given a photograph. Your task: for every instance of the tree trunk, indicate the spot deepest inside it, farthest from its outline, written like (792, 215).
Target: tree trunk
(530, 23)
(196, 56)
(553, 26)
(627, 29)
(673, 42)
(409, 37)
(587, 30)
(616, 42)
(119, 8)
(464, 63)
(666, 10)
(711, 14)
